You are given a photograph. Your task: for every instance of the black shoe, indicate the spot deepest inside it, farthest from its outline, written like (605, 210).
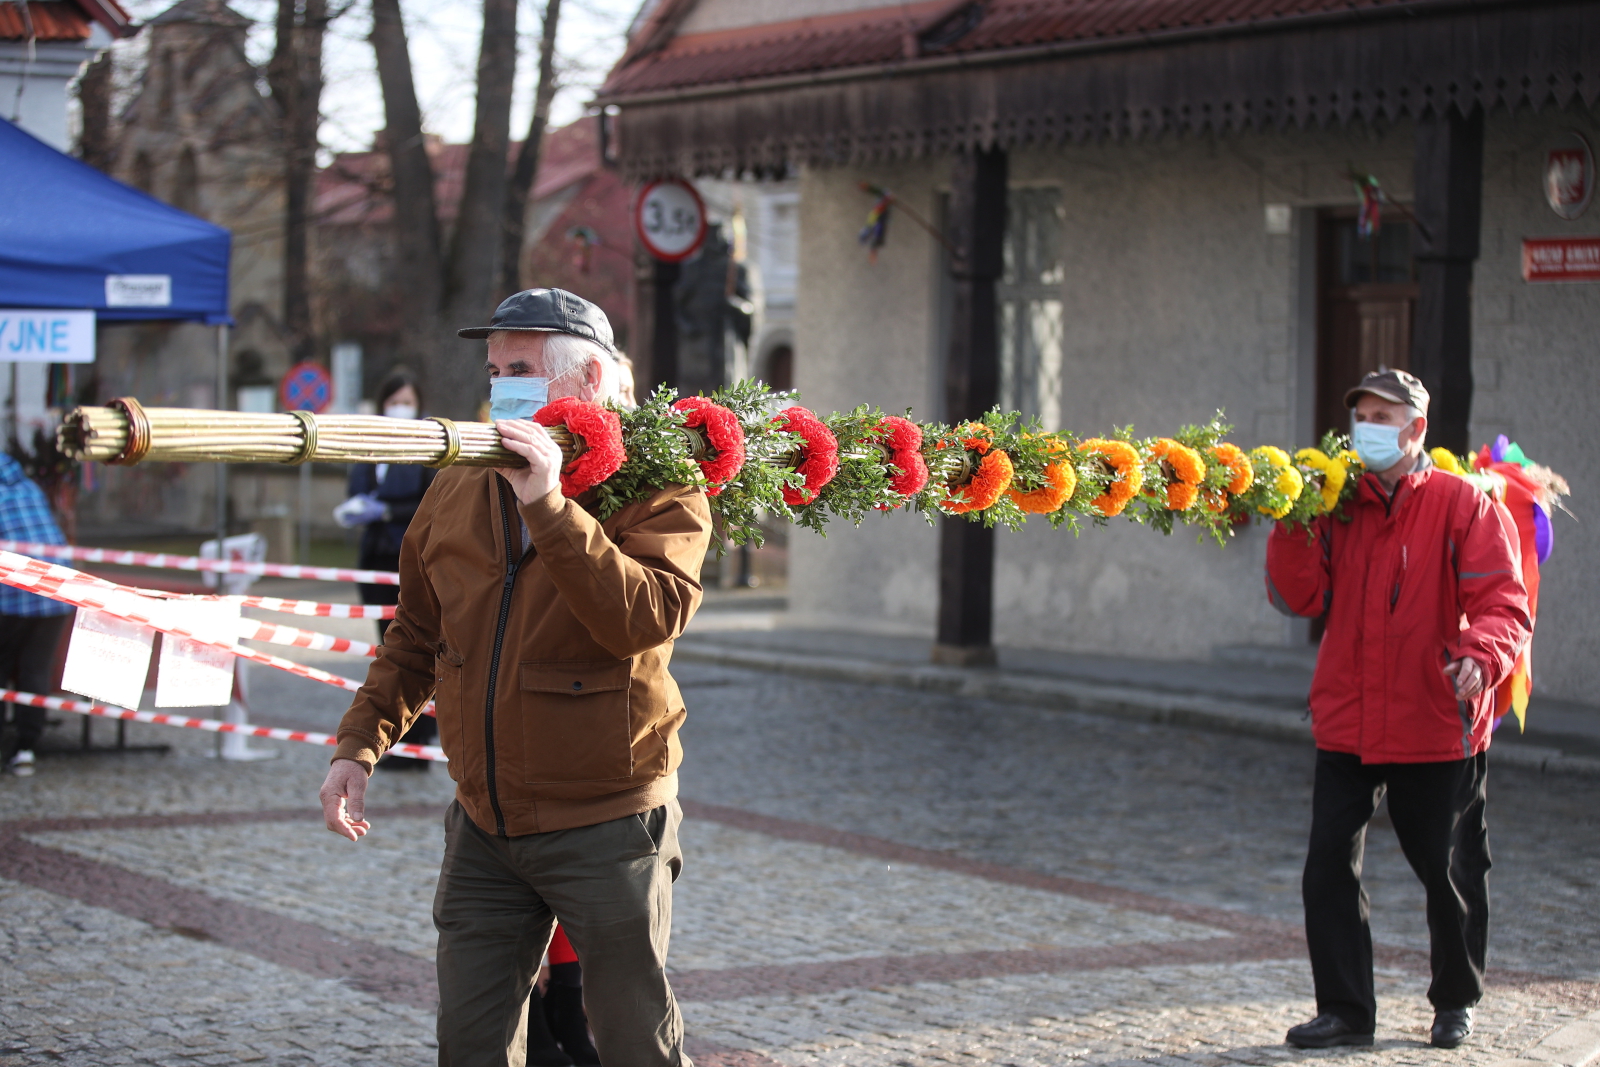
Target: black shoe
(1450, 1028)
(1326, 1031)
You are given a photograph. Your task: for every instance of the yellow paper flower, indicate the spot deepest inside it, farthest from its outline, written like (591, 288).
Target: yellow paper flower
(1290, 484)
(1445, 460)
(1286, 482)
(1332, 471)
(1273, 455)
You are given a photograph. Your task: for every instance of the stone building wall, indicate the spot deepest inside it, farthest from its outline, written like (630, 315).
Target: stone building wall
(1178, 301)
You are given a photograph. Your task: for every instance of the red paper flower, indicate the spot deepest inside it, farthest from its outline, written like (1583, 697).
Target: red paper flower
(819, 454)
(725, 435)
(903, 438)
(601, 432)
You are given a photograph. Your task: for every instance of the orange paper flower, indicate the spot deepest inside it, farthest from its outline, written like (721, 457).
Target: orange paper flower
(1240, 475)
(1188, 469)
(1232, 457)
(1061, 481)
(977, 437)
(1123, 459)
(988, 482)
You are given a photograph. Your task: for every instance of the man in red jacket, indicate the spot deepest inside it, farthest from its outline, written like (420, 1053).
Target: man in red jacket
(1426, 613)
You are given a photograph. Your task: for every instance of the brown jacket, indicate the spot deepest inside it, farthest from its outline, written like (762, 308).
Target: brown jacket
(549, 668)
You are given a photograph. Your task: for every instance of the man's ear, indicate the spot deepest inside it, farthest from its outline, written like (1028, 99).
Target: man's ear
(594, 376)
(1420, 425)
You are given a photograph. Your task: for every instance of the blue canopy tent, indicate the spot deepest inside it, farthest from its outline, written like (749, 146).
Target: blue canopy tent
(72, 237)
(67, 228)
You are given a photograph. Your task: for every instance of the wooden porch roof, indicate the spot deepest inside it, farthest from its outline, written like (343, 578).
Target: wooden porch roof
(917, 78)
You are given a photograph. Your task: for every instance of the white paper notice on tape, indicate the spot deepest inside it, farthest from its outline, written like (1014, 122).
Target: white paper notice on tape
(191, 674)
(108, 659)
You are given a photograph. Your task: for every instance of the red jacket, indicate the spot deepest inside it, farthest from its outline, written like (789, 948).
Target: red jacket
(1408, 585)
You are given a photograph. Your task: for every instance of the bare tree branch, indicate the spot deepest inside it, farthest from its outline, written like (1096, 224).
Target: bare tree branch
(527, 168)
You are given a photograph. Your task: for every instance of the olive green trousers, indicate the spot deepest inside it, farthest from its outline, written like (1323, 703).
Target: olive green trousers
(610, 885)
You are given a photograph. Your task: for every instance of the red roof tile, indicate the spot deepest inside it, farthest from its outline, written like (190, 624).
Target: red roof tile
(354, 190)
(908, 32)
(53, 20)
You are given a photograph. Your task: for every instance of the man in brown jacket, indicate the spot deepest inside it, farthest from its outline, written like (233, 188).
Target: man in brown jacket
(544, 635)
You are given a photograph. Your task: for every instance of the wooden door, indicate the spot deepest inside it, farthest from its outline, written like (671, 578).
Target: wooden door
(1367, 298)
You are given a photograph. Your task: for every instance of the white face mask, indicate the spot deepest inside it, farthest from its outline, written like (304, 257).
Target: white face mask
(400, 411)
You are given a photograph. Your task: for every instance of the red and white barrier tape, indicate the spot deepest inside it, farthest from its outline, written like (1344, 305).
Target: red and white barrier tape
(265, 603)
(249, 629)
(312, 607)
(195, 563)
(84, 591)
(106, 711)
(253, 630)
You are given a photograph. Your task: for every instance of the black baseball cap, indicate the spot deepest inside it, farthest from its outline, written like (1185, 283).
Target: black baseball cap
(548, 311)
(1395, 386)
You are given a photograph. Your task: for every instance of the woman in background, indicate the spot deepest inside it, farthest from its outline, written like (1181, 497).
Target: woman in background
(383, 497)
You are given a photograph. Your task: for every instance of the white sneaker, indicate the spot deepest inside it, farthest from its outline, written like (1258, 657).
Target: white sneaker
(21, 764)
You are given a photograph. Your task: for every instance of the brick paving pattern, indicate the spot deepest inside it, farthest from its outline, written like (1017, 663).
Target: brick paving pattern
(873, 878)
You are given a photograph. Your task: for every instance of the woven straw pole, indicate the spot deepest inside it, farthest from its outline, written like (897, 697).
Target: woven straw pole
(187, 435)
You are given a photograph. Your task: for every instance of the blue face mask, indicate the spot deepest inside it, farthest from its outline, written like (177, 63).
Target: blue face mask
(517, 398)
(1378, 446)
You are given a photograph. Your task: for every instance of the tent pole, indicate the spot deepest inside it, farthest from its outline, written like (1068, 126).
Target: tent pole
(222, 468)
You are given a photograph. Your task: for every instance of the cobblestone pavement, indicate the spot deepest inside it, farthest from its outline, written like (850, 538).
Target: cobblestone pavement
(1205, 817)
(873, 877)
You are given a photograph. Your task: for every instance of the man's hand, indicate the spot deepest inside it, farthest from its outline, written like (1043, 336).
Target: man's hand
(543, 472)
(1467, 676)
(344, 799)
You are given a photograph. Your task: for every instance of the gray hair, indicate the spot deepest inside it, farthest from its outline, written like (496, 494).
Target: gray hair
(564, 353)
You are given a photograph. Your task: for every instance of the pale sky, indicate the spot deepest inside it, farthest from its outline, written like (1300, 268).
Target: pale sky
(443, 36)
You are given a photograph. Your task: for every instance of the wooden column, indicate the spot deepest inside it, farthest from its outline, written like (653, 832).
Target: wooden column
(977, 227)
(1449, 208)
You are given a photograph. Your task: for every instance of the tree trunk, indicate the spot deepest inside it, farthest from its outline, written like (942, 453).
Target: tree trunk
(475, 244)
(96, 144)
(470, 274)
(442, 294)
(295, 74)
(419, 263)
(527, 168)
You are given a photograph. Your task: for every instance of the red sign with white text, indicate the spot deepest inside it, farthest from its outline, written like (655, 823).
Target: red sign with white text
(1561, 259)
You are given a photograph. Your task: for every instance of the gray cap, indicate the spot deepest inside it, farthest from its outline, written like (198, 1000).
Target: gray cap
(548, 311)
(1395, 386)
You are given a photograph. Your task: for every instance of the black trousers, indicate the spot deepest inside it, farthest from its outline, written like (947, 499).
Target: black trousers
(1438, 815)
(27, 662)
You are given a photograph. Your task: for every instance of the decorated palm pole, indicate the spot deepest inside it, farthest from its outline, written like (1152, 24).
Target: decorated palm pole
(758, 454)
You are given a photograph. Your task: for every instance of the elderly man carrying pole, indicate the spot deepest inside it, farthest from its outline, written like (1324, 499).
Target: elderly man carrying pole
(1426, 613)
(544, 636)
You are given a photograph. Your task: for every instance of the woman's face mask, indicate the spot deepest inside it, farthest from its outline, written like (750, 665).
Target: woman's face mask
(517, 398)
(400, 411)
